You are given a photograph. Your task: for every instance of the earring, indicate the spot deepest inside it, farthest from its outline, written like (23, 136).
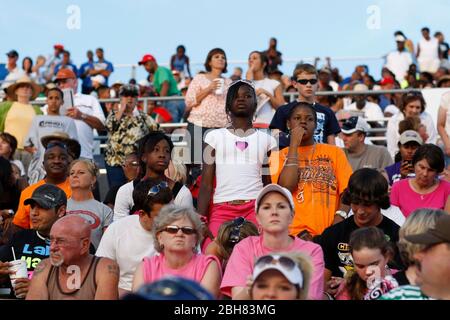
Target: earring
(260, 229)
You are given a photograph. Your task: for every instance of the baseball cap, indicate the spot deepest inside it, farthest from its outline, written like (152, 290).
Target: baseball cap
(171, 288)
(12, 53)
(360, 87)
(48, 196)
(99, 78)
(145, 58)
(387, 80)
(274, 188)
(400, 38)
(409, 136)
(439, 234)
(58, 46)
(354, 124)
(129, 90)
(325, 70)
(284, 264)
(65, 74)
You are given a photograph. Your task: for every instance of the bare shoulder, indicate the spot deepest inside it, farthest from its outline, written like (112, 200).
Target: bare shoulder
(108, 266)
(42, 268)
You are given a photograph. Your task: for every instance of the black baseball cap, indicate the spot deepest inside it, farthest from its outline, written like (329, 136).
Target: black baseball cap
(12, 53)
(47, 196)
(439, 234)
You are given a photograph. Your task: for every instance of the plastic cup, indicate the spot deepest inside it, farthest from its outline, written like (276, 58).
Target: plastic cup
(20, 268)
(220, 88)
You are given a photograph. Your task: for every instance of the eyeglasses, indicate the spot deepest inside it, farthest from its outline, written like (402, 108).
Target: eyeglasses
(62, 81)
(236, 226)
(157, 188)
(56, 144)
(285, 262)
(132, 163)
(305, 81)
(174, 230)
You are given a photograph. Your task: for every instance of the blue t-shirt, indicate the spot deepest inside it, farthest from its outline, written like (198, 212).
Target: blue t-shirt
(86, 81)
(67, 66)
(327, 123)
(104, 65)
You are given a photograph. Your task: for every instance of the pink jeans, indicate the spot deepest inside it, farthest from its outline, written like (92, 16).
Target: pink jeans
(222, 212)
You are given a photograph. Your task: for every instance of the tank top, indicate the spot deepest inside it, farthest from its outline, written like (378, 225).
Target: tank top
(87, 288)
(178, 63)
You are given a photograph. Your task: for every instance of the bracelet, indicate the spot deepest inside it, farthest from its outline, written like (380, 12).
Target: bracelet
(291, 165)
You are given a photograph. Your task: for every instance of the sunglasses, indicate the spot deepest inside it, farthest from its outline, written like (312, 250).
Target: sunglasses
(174, 230)
(56, 144)
(157, 188)
(235, 233)
(129, 94)
(285, 262)
(305, 81)
(62, 81)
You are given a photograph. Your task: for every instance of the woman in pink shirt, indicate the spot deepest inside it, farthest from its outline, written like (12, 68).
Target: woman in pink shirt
(177, 233)
(425, 190)
(274, 213)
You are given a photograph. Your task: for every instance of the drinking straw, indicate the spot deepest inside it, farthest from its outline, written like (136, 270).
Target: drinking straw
(14, 254)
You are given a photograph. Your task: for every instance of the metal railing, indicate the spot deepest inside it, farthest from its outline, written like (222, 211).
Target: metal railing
(292, 96)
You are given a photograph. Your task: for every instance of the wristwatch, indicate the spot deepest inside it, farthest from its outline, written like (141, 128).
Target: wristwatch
(341, 213)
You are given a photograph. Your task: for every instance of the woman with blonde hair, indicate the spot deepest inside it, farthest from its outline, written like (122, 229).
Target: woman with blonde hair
(281, 276)
(82, 178)
(418, 222)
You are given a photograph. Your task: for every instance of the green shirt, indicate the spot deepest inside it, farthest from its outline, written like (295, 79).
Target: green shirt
(161, 75)
(406, 292)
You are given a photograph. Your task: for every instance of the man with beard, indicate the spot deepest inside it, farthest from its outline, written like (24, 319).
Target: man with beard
(56, 163)
(47, 203)
(71, 273)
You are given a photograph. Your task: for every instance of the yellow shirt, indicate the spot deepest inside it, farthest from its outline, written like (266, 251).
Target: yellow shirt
(18, 121)
(322, 176)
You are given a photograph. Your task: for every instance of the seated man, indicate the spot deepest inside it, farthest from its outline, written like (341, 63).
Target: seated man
(359, 154)
(56, 165)
(71, 272)
(366, 201)
(433, 271)
(128, 240)
(48, 204)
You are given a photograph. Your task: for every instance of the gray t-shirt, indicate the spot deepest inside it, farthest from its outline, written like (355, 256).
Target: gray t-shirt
(96, 213)
(44, 125)
(376, 157)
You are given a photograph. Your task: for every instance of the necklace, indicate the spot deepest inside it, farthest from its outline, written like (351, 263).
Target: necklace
(303, 174)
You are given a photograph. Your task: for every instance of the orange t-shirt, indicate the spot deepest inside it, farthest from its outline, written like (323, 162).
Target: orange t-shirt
(22, 216)
(322, 176)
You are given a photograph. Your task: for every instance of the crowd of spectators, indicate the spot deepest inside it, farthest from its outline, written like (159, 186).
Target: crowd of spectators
(268, 199)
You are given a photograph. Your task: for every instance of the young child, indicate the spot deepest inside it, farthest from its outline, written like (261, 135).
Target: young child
(371, 277)
(44, 125)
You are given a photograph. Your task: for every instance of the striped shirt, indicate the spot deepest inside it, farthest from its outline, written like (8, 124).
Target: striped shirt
(406, 292)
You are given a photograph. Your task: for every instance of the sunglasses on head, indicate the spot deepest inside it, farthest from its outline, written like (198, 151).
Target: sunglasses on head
(305, 81)
(248, 82)
(236, 226)
(56, 144)
(285, 262)
(174, 230)
(157, 188)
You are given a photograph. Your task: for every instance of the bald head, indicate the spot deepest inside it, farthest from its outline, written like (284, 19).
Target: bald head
(73, 225)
